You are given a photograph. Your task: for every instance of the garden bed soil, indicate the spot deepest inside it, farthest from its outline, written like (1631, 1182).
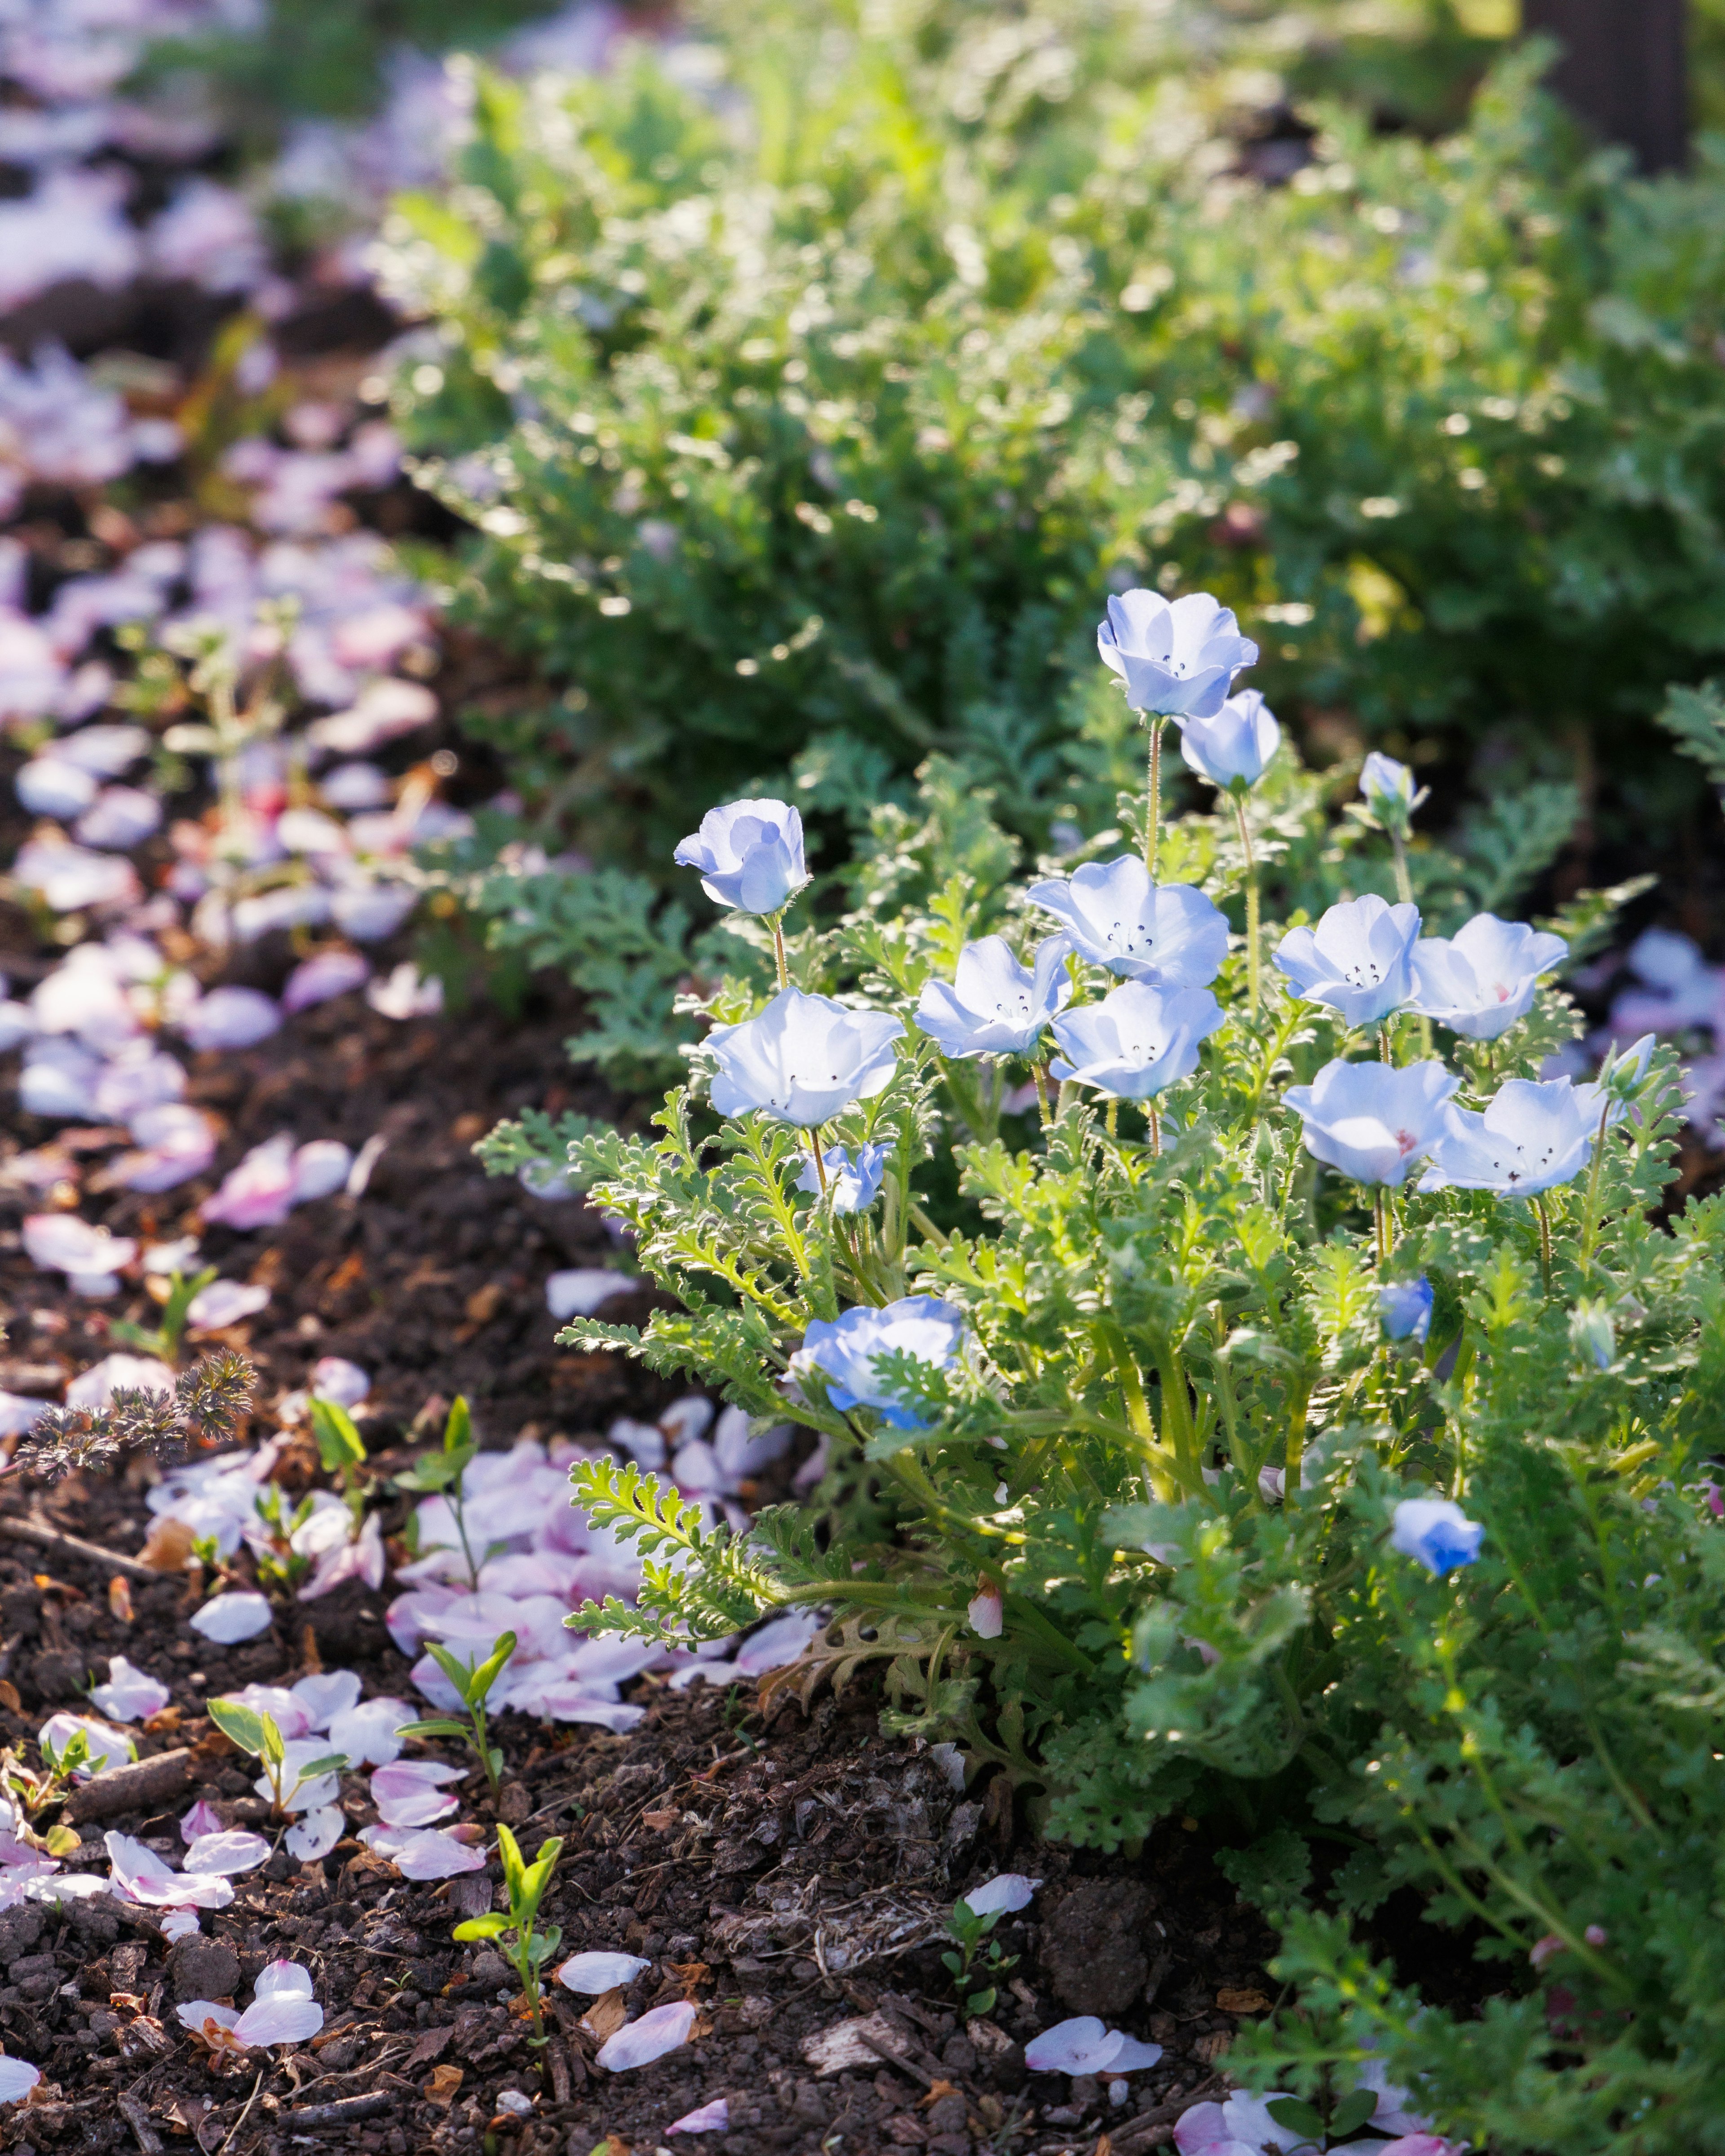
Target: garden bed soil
(792, 1879)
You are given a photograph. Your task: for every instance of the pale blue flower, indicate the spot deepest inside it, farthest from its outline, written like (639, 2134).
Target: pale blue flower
(1437, 1533)
(1176, 660)
(1389, 791)
(1232, 747)
(1138, 1040)
(1117, 918)
(1479, 981)
(750, 855)
(845, 1350)
(803, 1059)
(1404, 1309)
(1357, 960)
(996, 1006)
(853, 1180)
(1534, 1134)
(1373, 1121)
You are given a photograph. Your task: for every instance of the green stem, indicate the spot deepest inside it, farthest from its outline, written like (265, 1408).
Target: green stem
(785, 973)
(1590, 1222)
(1039, 1080)
(1152, 821)
(1544, 1220)
(1254, 980)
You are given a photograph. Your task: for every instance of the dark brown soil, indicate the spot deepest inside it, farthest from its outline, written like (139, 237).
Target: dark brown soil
(787, 1879)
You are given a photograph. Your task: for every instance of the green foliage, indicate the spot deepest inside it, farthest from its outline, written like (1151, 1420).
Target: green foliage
(473, 1683)
(259, 1734)
(800, 450)
(531, 1948)
(1696, 717)
(1176, 1442)
(441, 1474)
(975, 1961)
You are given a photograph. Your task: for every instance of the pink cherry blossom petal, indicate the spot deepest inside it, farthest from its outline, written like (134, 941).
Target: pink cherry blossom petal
(18, 2077)
(223, 1302)
(432, 1853)
(229, 1852)
(130, 1695)
(228, 1619)
(597, 1972)
(660, 2029)
(407, 1792)
(714, 2118)
(315, 1833)
(203, 1818)
(283, 2020)
(196, 2013)
(1079, 2045)
(1006, 1892)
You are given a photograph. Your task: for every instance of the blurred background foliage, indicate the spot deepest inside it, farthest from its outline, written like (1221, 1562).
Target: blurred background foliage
(808, 378)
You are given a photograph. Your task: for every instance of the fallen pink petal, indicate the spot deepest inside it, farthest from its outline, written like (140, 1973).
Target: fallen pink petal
(660, 2029)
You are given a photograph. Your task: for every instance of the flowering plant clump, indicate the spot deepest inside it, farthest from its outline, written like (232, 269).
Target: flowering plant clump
(1185, 1363)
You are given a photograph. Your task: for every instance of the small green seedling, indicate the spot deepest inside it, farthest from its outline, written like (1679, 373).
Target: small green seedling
(1329, 2126)
(473, 1683)
(343, 1451)
(34, 1792)
(163, 1339)
(439, 1474)
(526, 1884)
(976, 1959)
(280, 1565)
(258, 1735)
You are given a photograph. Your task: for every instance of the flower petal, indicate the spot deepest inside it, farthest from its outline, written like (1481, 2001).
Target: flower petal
(662, 2029)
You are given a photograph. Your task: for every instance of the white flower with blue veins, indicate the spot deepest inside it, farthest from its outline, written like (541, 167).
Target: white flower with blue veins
(1116, 916)
(996, 1006)
(846, 1350)
(854, 1180)
(1533, 1135)
(803, 1059)
(1479, 981)
(1373, 1121)
(1177, 660)
(1231, 748)
(1358, 959)
(1138, 1040)
(750, 855)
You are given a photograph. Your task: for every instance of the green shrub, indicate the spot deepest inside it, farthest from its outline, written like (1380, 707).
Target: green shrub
(1140, 1542)
(801, 421)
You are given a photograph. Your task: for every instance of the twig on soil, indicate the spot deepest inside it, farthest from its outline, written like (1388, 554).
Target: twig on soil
(137, 2118)
(228, 2137)
(345, 2110)
(44, 1536)
(139, 1784)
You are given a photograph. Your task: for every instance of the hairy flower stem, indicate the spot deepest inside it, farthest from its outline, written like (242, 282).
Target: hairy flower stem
(784, 971)
(821, 1166)
(1404, 892)
(1544, 1220)
(1254, 980)
(1386, 1047)
(1384, 1222)
(1155, 1127)
(1038, 1079)
(1153, 820)
(1590, 1217)
(1114, 1118)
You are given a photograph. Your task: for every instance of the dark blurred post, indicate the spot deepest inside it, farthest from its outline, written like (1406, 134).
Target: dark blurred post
(1622, 72)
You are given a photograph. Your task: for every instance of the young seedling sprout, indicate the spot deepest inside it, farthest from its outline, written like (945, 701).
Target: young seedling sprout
(526, 1884)
(472, 1683)
(439, 1474)
(165, 1337)
(342, 1451)
(258, 1734)
(976, 1959)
